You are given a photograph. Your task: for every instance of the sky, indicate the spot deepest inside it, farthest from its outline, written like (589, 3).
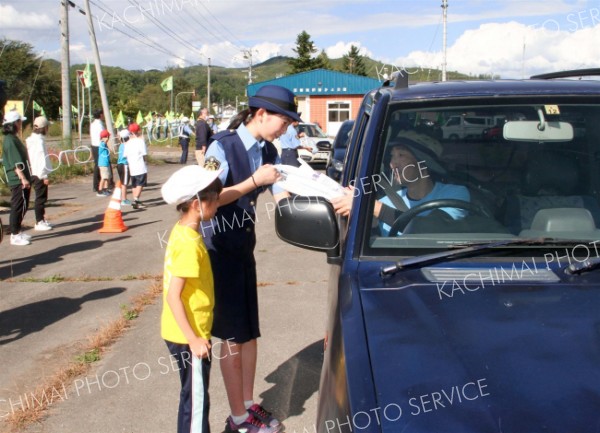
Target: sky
(509, 38)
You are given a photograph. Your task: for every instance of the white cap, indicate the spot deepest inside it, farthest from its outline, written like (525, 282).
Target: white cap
(185, 119)
(12, 116)
(40, 122)
(123, 134)
(186, 182)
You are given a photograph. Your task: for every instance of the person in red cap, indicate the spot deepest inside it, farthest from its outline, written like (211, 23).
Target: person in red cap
(246, 155)
(104, 164)
(136, 152)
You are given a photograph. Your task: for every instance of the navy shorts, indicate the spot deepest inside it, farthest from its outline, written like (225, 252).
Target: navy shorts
(236, 298)
(123, 171)
(139, 180)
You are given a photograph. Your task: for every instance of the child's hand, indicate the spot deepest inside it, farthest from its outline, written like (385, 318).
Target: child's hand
(200, 347)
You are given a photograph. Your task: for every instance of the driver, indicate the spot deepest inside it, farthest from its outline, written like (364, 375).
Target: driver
(414, 161)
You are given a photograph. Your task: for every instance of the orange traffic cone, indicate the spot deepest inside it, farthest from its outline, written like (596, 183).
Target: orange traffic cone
(113, 220)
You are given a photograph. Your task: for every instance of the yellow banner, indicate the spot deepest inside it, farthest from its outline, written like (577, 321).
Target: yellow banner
(15, 105)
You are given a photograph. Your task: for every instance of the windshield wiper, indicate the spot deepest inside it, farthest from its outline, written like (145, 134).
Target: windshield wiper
(472, 250)
(582, 267)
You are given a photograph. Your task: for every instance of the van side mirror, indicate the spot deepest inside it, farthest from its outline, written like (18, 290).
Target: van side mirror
(324, 146)
(308, 222)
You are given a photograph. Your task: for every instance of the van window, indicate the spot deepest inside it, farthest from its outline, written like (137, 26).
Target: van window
(476, 120)
(499, 188)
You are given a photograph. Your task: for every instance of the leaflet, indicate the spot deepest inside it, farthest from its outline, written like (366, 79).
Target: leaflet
(305, 181)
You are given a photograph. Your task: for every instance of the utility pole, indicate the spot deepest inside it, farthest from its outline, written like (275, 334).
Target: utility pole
(445, 19)
(64, 67)
(208, 87)
(98, 65)
(248, 56)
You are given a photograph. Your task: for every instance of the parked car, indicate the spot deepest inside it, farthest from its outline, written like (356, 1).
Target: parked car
(316, 139)
(483, 322)
(460, 127)
(335, 166)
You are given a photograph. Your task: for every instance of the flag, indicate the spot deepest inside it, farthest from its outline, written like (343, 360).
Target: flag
(148, 117)
(167, 84)
(74, 109)
(120, 122)
(87, 76)
(139, 119)
(38, 107)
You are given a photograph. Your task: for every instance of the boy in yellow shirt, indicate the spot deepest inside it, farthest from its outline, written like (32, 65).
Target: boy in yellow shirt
(188, 291)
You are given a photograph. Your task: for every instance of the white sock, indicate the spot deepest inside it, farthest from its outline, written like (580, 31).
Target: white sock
(237, 420)
(248, 403)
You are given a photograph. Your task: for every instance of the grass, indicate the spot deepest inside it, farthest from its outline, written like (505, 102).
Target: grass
(91, 352)
(51, 279)
(89, 356)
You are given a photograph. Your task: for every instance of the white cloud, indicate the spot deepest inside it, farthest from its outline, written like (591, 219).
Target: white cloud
(342, 48)
(11, 19)
(509, 49)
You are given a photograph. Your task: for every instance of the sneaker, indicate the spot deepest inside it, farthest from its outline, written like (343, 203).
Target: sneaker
(48, 223)
(19, 240)
(139, 204)
(134, 205)
(125, 202)
(251, 425)
(264, 416)
(106, 193)
(42, 226)
(100, 194)
(25, 236)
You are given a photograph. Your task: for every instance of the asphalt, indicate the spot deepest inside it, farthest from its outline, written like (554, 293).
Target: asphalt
(71, 281)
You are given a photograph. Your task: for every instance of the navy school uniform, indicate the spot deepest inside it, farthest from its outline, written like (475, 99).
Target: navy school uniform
(230, 236)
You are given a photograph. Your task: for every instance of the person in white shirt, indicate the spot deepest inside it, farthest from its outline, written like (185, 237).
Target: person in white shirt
(96, 127)
(40, 167)
(136, 152)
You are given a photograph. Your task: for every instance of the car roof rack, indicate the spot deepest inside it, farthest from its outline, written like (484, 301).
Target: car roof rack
(567, 74)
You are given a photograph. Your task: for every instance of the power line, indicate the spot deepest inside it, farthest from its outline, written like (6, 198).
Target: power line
(153, 45)
(166, 30)
(193, 23)
(225, 28)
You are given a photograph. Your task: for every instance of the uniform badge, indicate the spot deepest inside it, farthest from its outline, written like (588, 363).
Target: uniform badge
(211, 163)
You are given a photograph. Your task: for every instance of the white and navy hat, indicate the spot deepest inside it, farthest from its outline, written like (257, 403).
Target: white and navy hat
(186, 182)
(12, 116)
(276, 99)
(423, 147)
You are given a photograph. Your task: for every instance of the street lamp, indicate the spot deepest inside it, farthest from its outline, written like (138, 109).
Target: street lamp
(182, 93)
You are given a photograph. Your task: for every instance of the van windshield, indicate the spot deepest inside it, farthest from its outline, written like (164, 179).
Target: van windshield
(471, 174)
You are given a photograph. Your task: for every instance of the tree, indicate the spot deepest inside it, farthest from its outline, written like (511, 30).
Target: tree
(305, 48)
(28, 77)
(323, 61)
(353, 62)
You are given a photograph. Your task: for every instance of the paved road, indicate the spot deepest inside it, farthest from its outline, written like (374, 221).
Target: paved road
(71, 281)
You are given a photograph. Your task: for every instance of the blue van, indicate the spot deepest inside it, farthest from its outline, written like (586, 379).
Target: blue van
(464, 293)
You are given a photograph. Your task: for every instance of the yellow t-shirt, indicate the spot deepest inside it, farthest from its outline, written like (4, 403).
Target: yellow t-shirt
(186, 257)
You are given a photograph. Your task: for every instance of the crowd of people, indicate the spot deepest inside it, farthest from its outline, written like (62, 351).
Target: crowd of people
(210, 280)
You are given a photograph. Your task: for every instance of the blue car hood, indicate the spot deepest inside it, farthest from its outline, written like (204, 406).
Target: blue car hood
(513, 356)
